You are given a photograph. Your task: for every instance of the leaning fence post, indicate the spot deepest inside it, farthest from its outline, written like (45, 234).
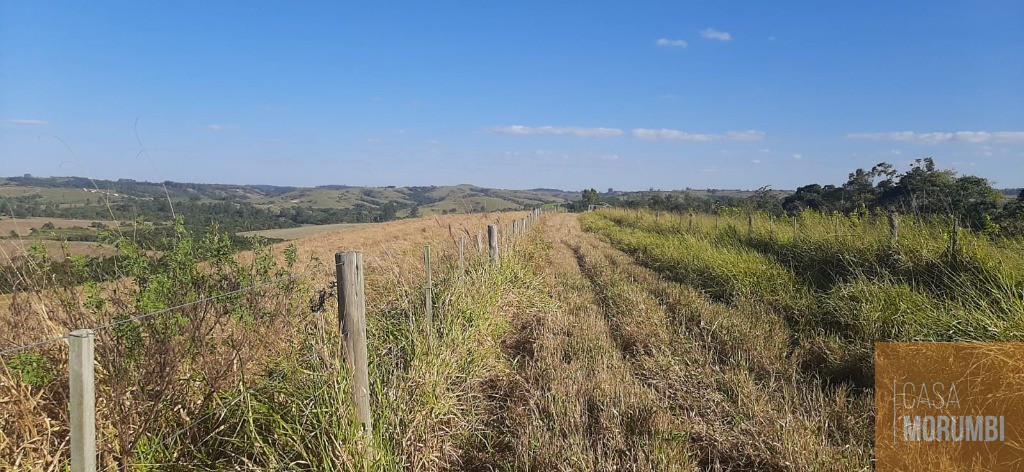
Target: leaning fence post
(83, 400)
(894, 228)
(352, 321)
(492, 242)
(429, 303)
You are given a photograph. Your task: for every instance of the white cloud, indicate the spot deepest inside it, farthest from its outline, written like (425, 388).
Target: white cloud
(671, 43)
(942, 137)
(748, 135)
(517, 130)
(24, 122)
(755, 161)
(676, 135)
(797, 157)
(638, 133)
(711, 33)
(215, 127)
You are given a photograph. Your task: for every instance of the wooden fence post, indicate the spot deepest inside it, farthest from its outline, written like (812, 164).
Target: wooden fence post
(479, 241)
(750, 224)
(894, 228)
(771, 226)
(429, 302)
(462, 256)
(492, 243)
(691, 221)
(83, 400)
(352, 320)
(796, 225)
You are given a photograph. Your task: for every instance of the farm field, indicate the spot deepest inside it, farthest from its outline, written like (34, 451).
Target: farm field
(65, 197)
(300, 232)
(24, 226)
(611, 340)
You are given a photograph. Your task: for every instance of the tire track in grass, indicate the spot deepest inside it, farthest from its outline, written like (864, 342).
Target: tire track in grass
(745, 406)
(577, 404)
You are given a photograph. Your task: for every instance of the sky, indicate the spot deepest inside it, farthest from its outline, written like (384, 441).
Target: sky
(625, 95)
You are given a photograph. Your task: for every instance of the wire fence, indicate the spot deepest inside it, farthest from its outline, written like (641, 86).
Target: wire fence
(509, 233)
(114, 324)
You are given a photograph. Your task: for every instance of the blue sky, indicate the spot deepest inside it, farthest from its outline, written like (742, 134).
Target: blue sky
(628, 95)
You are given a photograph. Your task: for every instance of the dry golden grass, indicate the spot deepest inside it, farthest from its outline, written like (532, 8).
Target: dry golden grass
(33, 424)
(575, 403)
(302, 231)
(383, 243)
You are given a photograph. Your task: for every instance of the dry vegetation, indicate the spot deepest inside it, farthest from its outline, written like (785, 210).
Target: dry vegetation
(627, 342)
(300, 232)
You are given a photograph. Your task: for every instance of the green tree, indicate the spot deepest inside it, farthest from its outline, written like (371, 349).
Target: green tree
(1011, 217)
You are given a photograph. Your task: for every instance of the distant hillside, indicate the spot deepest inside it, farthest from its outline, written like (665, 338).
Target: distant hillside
(251, 207)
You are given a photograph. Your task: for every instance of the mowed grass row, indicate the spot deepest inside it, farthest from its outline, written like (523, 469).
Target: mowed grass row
(837, 301)
(725, 373)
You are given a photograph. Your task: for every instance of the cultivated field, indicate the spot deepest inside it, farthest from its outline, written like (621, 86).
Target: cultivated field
(614, 340)
(300, 232)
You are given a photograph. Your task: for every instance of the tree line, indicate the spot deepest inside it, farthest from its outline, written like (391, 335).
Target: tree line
(923, 189)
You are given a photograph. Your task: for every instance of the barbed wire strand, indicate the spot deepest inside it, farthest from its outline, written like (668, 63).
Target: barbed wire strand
(114, 324)
(117, 323)
(26, 347)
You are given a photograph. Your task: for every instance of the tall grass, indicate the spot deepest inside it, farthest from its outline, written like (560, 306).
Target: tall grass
(839, 281)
